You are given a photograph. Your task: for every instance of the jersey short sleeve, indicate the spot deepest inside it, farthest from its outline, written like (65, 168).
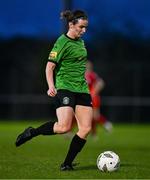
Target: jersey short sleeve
(57, 51)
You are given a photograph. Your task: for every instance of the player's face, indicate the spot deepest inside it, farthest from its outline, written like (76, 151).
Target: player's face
(79, 28)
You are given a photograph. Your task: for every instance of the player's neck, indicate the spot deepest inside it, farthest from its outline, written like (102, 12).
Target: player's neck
(71, 35)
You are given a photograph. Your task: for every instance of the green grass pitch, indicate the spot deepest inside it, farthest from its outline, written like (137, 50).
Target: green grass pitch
(41, 157)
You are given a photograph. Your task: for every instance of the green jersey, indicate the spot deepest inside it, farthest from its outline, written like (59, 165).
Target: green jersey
(70, 57)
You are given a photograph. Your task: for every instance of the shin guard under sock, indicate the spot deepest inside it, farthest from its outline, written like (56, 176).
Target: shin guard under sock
(76, 145)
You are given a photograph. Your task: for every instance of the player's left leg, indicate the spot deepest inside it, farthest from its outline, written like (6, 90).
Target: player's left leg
(84, 115)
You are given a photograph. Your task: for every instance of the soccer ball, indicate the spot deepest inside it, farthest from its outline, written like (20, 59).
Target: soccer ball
(108, 161)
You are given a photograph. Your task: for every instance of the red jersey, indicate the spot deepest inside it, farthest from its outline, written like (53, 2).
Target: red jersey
(91, 78)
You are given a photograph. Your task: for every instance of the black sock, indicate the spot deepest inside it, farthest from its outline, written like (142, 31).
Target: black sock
(75, 147)
(44, 129)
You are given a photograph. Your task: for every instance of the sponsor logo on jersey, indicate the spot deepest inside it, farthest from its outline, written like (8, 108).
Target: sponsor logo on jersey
(66, 100)
(53, 55)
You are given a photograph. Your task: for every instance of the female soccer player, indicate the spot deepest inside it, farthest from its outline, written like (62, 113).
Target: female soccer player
(67, 63)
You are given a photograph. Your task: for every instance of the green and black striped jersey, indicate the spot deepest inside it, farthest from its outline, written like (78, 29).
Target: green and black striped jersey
(70, 57)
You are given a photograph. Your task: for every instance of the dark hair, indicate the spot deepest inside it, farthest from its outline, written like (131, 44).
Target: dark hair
(73, 16)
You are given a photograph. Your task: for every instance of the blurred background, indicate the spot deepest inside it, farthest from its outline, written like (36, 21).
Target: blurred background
(118, 43)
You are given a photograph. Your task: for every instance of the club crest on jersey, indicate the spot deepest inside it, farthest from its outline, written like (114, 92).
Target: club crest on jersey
(66, 100)
(53, 55)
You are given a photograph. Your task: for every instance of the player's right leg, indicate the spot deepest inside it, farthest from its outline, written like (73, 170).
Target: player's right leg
(63, 125)
(30, 132)
(65, 114)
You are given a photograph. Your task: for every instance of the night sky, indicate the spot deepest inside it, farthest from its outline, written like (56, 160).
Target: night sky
(40, 18)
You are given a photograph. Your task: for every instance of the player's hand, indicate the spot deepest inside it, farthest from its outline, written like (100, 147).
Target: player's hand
(52, 91)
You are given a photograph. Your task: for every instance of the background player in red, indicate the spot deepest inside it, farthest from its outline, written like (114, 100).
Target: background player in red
(96, 85)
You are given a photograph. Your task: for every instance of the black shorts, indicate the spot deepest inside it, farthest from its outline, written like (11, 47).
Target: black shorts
(68, 98)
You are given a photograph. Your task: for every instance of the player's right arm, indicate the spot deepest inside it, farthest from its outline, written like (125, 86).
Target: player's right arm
(50, 80)
(55, 56)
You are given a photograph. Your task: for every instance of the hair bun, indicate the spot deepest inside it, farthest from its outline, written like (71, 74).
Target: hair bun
(67, 15)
